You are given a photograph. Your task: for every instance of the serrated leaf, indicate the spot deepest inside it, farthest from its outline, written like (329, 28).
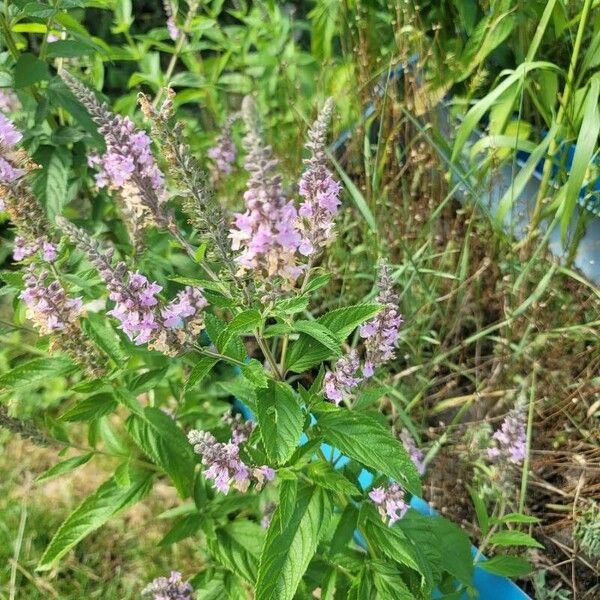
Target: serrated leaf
(66, 466)
(248, 320)
(238, 545)
(50, 184)
(323, 474)
(182, 529)
(280, 420)
(107, 501)
(91, 408)
(321, 334)
(161, 440)
(317, 282)
(201, 369)
(362, 437)
(514, 538)
(290, 306)
(288, 549)
(506, 566)
(254, 372)
(35, 372)
(306, 352)
(104, 336)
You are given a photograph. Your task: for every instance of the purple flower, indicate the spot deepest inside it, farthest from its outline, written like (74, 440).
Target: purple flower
(381, 333)
(511, 439)
(187, 304)
(9, 136)
(8, 173)
(127, 165)
(415, 454)
(338, 383)
(318, 189)
(24, 249)
(265, 233)
(390, 502)
(48, 306)
(224, 467)
(224, 152)
(172, 28)
(171, 588)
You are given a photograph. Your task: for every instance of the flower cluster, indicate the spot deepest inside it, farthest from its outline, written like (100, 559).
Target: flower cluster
(318, 189)
(48, 305)
(345, 376)
(265, 233)
(168, 588)
(390, 502)
(511, 439)
(188, 303)
(224, 152)
(137, 307)
(224, 465)
(52, 311)
(127, 165)
(24, 249)
(9, 137)
(381, 332)
(415, 454)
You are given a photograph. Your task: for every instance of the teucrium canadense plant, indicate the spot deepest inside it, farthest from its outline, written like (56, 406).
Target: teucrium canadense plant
(156, 343)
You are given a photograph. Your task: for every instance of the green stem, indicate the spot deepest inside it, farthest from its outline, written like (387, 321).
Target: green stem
(525, 473)
(564, 102)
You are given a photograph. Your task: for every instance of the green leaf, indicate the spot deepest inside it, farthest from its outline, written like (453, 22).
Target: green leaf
(449, 544)
(68, 49)
(104, 336)
(91, 408)
(35, 372)
(247, 320)
(215, 327)
(238, 545)
(515, 518)
(323, 474)
(289, 547)
(66, 466)
(50, 184)
(480, 510)
(290, 306)
(182, 529)
(587, 141)
(320, 333)
(306, 352)
(107, 501)
(280, 420)
(361, 437)
(162, 441)
(254, 372)
(506, 566)
(29, 70)
(514, 538)
(317, 282)
(388, 581)
(201, 369)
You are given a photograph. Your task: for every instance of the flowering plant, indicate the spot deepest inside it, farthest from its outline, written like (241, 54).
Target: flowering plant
(193, 319)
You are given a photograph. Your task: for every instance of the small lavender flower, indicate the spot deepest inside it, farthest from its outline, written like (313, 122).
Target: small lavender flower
(381, 332)
(511, 439)
(48, 306)
(224, 467)
(318, 189)
(415, 454)
(171, 588)
(265, 233)
(338, 383)
(188, 303)
(9, 137)
(390, 502)
(172, 28)
(224, 152)
(24, 249)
